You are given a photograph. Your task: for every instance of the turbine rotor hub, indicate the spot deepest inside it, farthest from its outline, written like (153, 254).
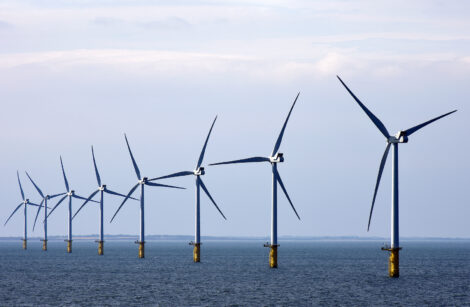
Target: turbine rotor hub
(199, 172)
(278, 158)
(71, 193)
(102, 188)
(143, 180)
(400, 137)
(26, 201)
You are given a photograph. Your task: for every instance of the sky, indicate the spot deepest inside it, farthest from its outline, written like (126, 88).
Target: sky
(80, 73)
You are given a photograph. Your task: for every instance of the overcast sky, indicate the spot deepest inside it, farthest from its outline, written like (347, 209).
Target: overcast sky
(80, 73)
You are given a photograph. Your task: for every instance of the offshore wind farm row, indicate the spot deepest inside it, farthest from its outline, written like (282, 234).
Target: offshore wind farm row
(274, 158)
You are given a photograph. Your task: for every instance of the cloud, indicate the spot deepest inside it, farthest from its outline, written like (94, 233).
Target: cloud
(331, 62)
(171, 23)
(4, 25)
(203, 66)
(414, 36)
(466, 60)
(107, 21)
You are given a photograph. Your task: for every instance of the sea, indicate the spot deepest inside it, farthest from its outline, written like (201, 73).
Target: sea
(234, 273)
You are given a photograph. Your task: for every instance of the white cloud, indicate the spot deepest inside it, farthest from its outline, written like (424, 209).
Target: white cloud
(183, 64)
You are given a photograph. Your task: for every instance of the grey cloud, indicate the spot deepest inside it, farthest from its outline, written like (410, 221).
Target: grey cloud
(171, 23)
(107, 21)
(4, 25)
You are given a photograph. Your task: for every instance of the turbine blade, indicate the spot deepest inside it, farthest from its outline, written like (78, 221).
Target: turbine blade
(118, 194)
(16, 209)
(58, 203)
(281, 134)
(136, 168)
(125, 199)
(374, 119)
(83, 198)
(96, 168)
(185, 173)
(163, 185)
(55, 195)
(210, 197)
(279, 180)
(247, 160)
(37, 188)
(379, 176)
(201, 156)
(19, 182)
(33, 204)
(86, 201)
(410, 131)
(37, 214)
(65, 177)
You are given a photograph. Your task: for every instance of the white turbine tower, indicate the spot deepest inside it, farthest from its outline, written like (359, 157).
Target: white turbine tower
(400, 137)
(102, 189)
(45, 198)
(24, 203)
(69, 194)
(198, 172)
(142, 181)
(275, 158)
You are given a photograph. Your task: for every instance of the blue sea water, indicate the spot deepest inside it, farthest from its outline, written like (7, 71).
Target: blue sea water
(234, 273)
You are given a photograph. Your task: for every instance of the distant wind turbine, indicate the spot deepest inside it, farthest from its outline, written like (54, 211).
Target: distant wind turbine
(275, 158)
(45, 198)
(69, 194)
(400, 137)
(142, 181)
(24, 203)
(198, 172)
(102, 189)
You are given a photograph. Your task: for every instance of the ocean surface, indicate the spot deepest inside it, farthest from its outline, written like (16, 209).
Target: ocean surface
(236, 273)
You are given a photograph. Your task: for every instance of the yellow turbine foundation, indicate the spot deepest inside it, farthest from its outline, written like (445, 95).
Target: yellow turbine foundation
(44, 245)
(25, 245)
(197, 252)
(394, 263)
(69, 246)
(141, 249)
(273, 256)
(100, 247)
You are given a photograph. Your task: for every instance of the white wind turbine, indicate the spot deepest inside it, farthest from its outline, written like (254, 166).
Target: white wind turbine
(400, 137)
(102, 188)
(198, 172)
(142, 181)
(45, 198)
(275, 158)
(24, 203)
(69, 194)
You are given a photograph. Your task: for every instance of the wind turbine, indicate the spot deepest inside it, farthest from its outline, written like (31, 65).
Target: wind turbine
(400, 137)
(275, 158)
(198, 172)
(24, 203)
(102, 189)
(142, 181)
(45, 198)
(69, 194)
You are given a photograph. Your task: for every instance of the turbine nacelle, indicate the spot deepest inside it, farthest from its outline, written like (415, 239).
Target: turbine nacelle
(277, 158)
(400, 137)
(199, 172)
(143, 180)
(102, 188)
(71, 193)
(26, 201)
